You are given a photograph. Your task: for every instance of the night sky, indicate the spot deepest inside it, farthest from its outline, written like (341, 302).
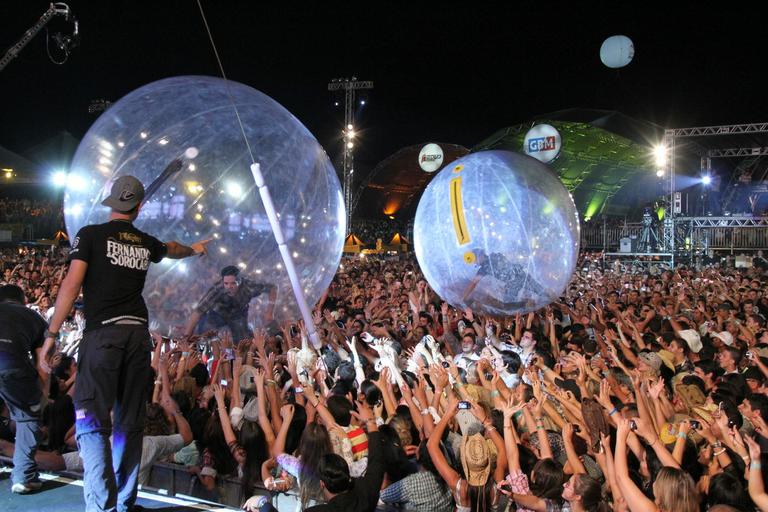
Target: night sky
(449, 72)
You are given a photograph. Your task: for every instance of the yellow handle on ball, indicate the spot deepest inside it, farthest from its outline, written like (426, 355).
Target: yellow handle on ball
(457, 212)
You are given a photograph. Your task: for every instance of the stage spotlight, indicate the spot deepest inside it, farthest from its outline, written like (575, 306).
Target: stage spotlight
(59, 178)
(660, 173)
(660, 154)
(707, 179)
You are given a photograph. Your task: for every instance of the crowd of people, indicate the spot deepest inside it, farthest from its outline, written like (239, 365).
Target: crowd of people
(637, 392)
(44, 216)
(371, 230)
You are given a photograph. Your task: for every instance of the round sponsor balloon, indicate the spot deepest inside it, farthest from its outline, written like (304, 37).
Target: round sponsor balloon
(431, 157)
(617, 51)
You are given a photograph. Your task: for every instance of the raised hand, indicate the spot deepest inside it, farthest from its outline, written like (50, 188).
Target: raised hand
(364, 413)
(258, 378)
(478, 412)
(237, 368)
(754, 448)
(656, 388)
(259, 341)
(622, 430)
(439, 376)
(218, 392)
(286, 412)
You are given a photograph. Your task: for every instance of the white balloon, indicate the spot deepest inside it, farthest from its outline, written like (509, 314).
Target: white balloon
(431, 157)
(617, 51)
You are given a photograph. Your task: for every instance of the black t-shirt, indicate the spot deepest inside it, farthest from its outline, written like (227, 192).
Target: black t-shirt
(21, 332)
(118, 256)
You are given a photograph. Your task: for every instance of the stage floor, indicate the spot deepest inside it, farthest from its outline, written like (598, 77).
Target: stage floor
(62, 494)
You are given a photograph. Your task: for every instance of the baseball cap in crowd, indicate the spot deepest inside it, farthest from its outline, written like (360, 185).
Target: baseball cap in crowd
(652, 359)
(692, 338)
(127, 192)
(724, 336)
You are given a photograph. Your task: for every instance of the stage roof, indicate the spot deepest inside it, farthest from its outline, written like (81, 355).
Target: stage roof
(394, 186)
(606, 161)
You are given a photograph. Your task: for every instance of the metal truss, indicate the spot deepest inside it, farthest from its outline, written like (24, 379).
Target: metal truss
(737, 152)
(349, 86)
(724, 222)
(732, 129)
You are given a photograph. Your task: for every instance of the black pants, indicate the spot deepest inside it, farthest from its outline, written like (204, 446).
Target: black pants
(113, 376)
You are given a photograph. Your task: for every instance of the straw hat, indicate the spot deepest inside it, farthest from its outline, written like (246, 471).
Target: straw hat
(691, 395)
(475, 459)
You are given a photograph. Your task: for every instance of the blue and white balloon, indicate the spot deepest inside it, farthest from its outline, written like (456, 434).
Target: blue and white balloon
(617, 51)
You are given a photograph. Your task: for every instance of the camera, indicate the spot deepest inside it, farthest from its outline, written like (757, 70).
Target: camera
(463, 405)
(576, 429)
(446, 364)
(298, 389)
(632, 425)
(695, 424)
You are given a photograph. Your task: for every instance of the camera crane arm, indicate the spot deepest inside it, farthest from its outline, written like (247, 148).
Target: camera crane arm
(55, 9)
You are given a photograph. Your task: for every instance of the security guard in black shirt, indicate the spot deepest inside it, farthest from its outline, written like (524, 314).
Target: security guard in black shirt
(21, 334)
(110, 262)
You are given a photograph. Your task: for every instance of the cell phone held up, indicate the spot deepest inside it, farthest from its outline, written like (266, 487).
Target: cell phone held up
(464, 405)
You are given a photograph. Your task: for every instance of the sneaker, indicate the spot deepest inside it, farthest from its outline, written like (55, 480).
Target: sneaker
(26, 487)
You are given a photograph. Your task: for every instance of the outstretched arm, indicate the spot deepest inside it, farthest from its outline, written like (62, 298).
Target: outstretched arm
(177, 251)
(633, 495)
(471, 287)
(448, 474)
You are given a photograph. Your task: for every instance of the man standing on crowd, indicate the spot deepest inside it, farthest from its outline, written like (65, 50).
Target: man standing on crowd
(21, 333)
(225, 304)
(110, 262)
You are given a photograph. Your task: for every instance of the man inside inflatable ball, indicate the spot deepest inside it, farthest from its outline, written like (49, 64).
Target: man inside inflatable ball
(225, 304)
(520, 289)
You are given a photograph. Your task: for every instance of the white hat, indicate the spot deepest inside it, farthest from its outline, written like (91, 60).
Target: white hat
(692, 338)
(724, 336)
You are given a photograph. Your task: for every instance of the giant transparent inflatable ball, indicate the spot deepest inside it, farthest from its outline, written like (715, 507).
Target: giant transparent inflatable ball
(214, 195)
(497, 232)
